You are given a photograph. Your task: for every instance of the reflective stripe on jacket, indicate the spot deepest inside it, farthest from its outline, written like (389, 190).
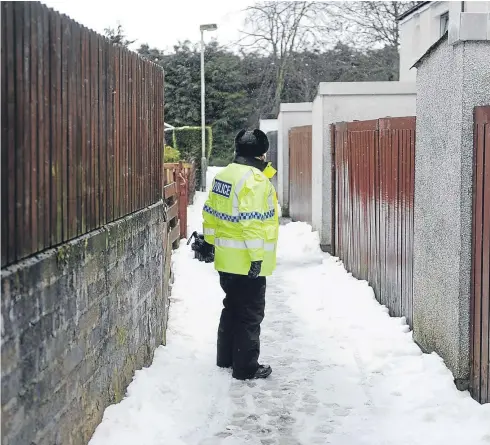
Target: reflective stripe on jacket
(241, 219)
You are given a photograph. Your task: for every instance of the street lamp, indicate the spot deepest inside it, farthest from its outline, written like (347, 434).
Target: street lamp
(209, 27)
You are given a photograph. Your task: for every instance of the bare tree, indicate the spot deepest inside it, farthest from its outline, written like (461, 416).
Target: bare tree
(280, 29)
(367, 23)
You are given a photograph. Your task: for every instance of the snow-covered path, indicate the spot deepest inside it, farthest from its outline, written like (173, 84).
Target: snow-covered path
(344, 372)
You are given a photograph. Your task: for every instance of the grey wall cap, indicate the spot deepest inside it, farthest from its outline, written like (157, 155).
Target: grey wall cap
(468, 26)
(366, 88)
(300, 106)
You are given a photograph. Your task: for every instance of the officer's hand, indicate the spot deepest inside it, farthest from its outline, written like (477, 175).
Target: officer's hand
(207, 252)
(255, 268)
(204, 251)
(207, 248)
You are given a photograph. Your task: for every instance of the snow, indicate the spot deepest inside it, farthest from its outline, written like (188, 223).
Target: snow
(344, 372)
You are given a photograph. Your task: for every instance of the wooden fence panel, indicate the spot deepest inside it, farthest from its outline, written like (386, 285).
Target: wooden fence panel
(373, 194)
(300, 173)
(82, 130)
(480, 295)
(180, 180)
(171, 194)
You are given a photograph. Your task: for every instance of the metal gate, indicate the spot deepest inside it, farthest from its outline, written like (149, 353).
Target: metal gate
(480, 294)
(300, 173)
(373, 194)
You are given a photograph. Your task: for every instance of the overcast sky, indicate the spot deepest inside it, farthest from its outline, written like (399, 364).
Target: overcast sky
(160, 23)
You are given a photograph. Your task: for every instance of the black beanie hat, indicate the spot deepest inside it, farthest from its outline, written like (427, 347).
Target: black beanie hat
(251, 144)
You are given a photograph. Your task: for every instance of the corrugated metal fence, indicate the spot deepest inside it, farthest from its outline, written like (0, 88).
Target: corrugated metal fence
(82, 130)
(480, 296)
(373, 192)
(300, 173)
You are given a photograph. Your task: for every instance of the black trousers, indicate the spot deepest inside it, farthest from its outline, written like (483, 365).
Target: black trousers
(239, 326)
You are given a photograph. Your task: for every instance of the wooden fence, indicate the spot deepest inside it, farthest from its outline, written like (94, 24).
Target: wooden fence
(373, 195)
(480, 295)
(300, 173)
(183, 176)
(82, 130)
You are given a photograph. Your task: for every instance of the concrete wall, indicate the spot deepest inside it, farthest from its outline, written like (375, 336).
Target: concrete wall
(272, 154)
(77, 321)
(290, 115)
(337, 102)
(421, 29)
(267, 125)
(451, 81)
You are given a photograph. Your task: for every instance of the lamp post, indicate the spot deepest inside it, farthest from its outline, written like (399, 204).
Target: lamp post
(209, 27)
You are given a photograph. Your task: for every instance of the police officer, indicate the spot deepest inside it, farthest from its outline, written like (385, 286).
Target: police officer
(241, 222)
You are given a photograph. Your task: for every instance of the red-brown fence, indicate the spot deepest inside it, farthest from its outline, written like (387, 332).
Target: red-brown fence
(180, 180)
(373, 193)
(480, 295)
(183, 176)
(171, 196)
(300, 173)
(82, 130)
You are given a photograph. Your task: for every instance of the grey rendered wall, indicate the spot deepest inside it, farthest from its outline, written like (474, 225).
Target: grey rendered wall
(346, 108)
(287, 120)
(77, 321)
(267, 125)
(450, 83)
(272, 153)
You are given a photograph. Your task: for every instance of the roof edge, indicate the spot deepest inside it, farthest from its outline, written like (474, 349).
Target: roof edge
(431, 49)
(411, 10)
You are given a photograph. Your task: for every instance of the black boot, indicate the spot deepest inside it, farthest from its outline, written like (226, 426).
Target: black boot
(262, 372)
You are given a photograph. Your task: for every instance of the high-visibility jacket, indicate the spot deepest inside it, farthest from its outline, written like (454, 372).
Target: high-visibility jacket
(241, 217)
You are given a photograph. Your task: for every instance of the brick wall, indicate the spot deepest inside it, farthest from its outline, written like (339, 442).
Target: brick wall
(77, 321)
